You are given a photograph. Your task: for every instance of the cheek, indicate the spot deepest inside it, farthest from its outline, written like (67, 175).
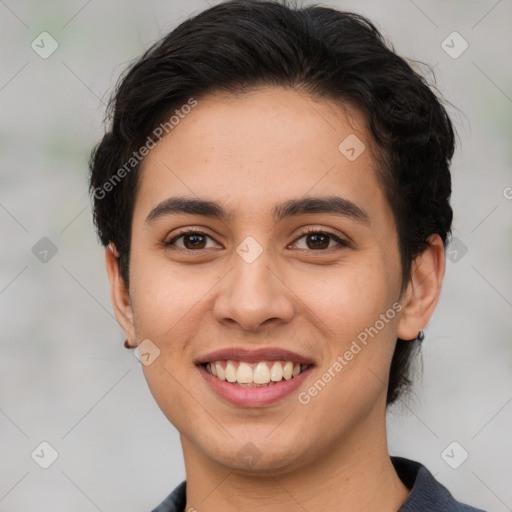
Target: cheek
(348, 297)
(164, 297)
(167, 310)
(358, 311)
(177, 400)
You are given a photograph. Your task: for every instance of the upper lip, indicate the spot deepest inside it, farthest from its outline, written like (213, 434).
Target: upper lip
(254, 356)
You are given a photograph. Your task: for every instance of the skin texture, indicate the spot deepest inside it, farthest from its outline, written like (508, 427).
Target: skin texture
(248, 152)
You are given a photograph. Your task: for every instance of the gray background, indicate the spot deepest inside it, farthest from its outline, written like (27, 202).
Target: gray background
(65, 377)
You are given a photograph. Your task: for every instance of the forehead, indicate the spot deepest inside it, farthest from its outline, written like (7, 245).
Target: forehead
(252, 150)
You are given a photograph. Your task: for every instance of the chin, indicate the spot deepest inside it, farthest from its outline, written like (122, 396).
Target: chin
(255, 455)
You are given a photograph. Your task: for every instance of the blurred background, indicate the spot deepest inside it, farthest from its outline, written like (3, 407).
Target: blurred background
(65, 379)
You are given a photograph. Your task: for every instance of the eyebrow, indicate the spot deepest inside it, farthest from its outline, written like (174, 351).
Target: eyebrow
(294, 207)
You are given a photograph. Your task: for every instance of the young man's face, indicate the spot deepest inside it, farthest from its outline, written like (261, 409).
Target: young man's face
(253, 281)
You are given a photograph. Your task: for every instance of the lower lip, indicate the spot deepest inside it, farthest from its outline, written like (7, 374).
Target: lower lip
(253, 397)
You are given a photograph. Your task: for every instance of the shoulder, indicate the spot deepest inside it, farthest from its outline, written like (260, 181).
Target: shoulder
(426, 492)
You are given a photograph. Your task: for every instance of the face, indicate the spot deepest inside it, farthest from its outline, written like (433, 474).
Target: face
(273, 285)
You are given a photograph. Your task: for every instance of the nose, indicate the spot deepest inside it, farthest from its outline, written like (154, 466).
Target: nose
(253, 296)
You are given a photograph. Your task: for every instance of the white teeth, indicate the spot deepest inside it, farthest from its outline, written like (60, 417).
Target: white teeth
(276, 372)
(221, 374)
(244, 374)
(230, 372)
(248, 374)
(261, 374)
(288, 370)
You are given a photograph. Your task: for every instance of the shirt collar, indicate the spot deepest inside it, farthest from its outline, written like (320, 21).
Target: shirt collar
(426, 493)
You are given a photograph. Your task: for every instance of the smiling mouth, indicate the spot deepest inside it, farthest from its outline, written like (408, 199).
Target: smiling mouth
(260, 374)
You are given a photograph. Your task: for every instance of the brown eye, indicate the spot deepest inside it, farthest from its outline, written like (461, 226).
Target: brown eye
(320, 240)
(192, 240)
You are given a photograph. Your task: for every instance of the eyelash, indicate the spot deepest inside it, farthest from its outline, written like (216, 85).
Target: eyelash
(304, 233)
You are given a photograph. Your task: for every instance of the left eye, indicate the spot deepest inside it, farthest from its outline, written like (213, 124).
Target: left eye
(319, 240)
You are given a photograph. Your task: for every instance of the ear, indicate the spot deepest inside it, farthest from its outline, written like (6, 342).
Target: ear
(119, 295)
(422, 294)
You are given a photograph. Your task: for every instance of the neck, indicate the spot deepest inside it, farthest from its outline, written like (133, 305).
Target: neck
(355, 474)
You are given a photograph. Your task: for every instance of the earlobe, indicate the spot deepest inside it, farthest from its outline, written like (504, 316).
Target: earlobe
(423, 290)
(119, 294)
